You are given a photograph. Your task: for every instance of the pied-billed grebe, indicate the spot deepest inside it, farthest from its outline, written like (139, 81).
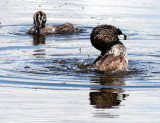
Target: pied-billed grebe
(113, 53)
(39, 27)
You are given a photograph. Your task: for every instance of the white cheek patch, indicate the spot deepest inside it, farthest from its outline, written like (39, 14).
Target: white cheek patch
(39, 19)
(40, 23)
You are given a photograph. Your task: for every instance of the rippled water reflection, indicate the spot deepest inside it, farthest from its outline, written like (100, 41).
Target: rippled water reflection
(45, 77)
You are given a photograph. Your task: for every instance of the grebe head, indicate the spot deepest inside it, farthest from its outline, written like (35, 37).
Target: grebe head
(39, 19)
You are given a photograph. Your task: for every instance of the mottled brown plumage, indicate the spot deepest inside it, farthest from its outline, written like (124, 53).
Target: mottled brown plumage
(113, 53)
(39, 27)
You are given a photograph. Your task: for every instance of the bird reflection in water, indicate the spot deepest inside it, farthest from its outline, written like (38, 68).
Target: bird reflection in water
(108, 97)
(39, 39)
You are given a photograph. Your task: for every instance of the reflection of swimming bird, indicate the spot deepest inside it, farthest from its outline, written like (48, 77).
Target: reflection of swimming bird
(104, 99)
(108, 97)
(113, 52)
(39, 39)
(39, 27)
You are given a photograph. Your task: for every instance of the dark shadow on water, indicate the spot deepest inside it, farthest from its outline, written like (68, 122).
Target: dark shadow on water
(107, 97)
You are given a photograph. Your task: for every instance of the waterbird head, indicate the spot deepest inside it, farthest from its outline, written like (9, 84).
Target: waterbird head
(39, 20)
